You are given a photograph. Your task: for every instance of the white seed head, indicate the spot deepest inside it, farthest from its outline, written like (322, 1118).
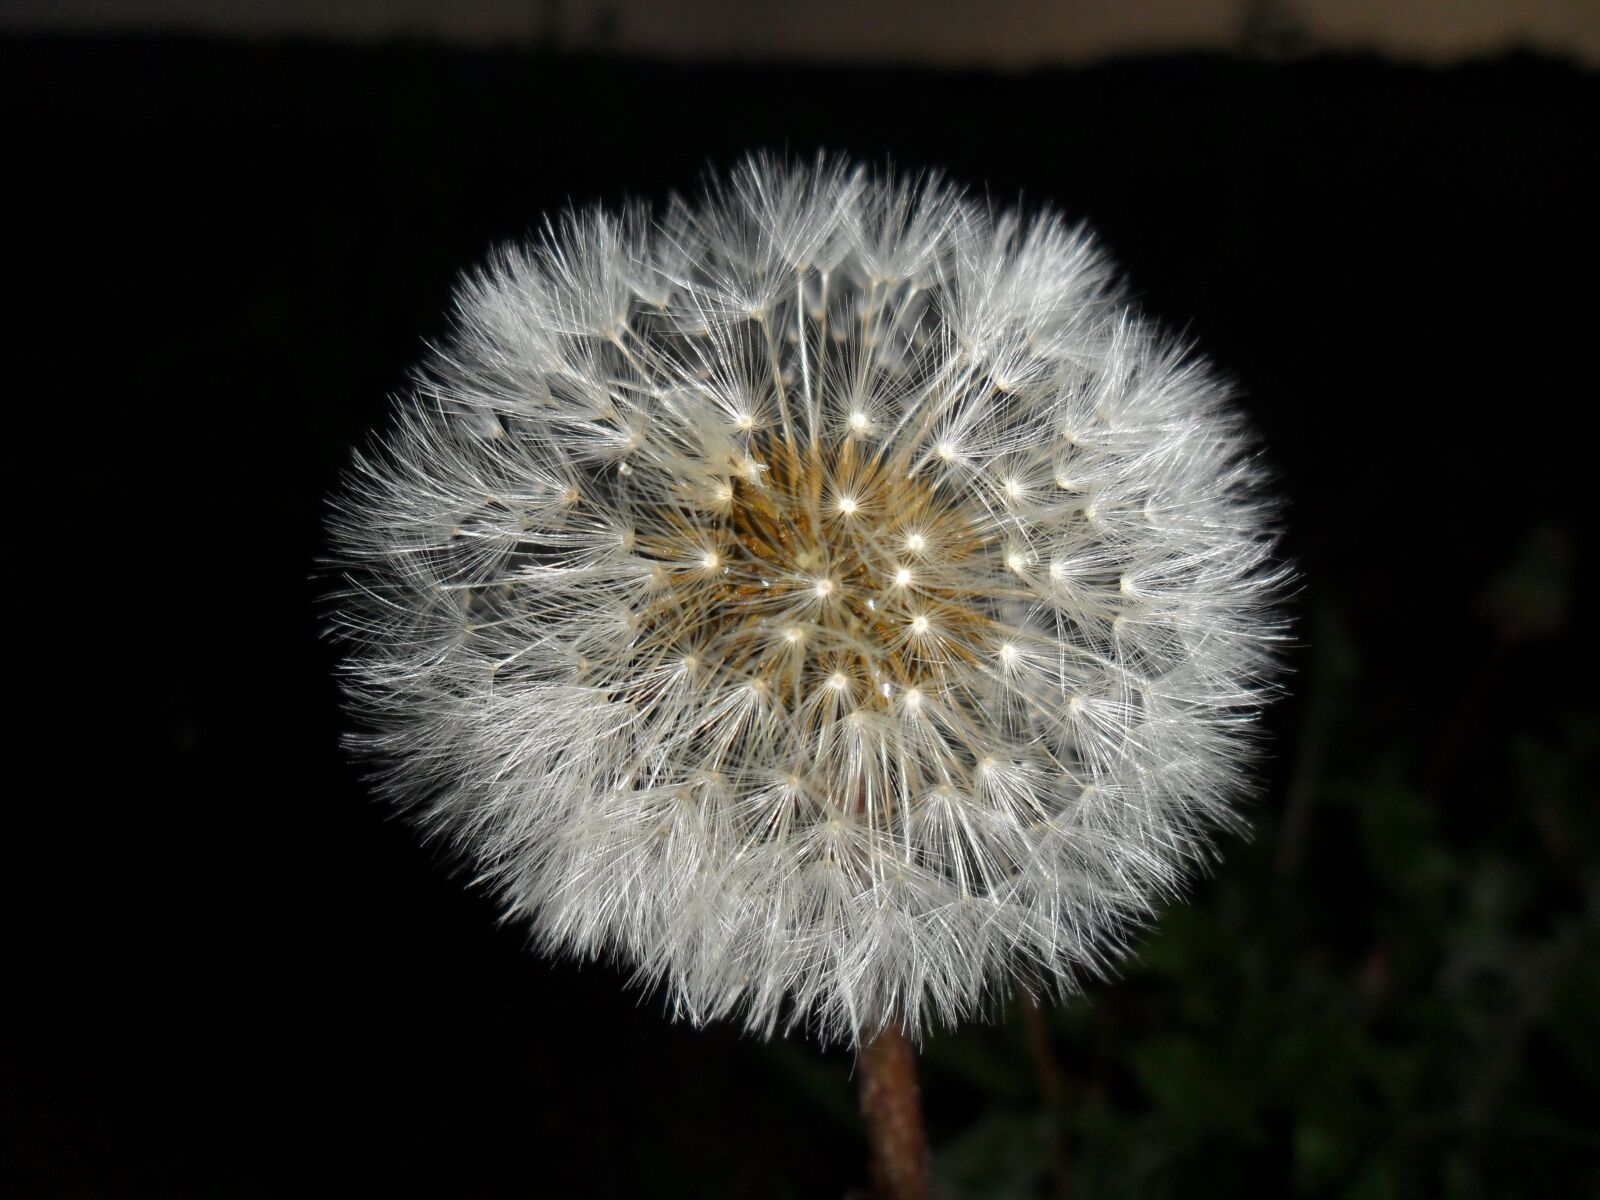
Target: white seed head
(694, 714)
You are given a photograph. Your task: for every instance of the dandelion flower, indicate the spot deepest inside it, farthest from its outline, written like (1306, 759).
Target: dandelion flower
(829, 597)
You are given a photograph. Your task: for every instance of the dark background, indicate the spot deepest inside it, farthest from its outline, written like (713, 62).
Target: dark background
(239, 976)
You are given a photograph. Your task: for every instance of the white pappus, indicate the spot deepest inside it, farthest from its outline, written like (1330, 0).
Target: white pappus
(828, 596)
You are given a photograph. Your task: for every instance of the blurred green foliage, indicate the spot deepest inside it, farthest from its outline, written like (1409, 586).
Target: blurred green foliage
(1391, 991)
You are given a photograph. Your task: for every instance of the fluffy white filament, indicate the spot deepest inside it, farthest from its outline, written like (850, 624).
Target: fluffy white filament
(829, 597)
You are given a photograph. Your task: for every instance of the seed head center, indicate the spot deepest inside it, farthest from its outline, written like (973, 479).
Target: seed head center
(824, 570)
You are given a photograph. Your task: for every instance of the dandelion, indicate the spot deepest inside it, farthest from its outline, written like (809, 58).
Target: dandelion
(830, 598)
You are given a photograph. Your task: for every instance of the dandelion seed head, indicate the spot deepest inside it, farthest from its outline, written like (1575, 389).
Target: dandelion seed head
(702, 677)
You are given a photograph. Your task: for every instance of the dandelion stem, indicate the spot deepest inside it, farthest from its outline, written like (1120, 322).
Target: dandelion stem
(1053, 1090)
(892, 1106)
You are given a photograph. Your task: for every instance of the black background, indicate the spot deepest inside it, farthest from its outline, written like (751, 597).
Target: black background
(240, 976)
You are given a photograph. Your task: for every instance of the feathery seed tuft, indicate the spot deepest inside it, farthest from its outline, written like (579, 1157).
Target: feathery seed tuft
(832, 598)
